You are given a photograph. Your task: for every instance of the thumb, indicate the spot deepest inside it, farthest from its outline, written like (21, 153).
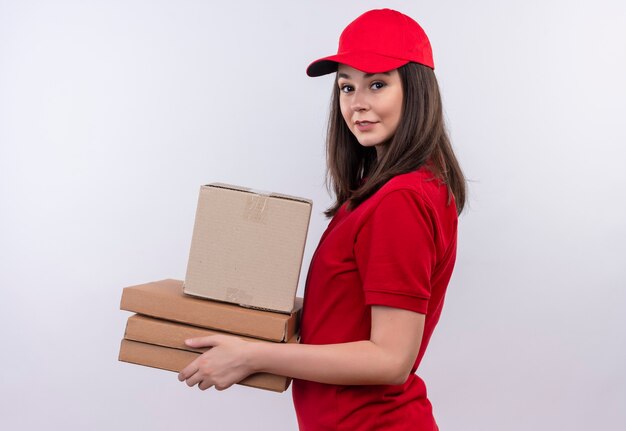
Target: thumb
(206, 341)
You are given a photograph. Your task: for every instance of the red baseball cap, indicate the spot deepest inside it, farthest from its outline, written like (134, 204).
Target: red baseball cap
(378, 41)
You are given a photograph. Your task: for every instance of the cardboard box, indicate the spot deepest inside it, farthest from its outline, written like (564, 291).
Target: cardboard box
(170, 359)
(247, 247)
(165, 300)
(171, 334)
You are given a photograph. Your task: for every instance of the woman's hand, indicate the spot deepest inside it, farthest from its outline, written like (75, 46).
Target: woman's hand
(226, 362)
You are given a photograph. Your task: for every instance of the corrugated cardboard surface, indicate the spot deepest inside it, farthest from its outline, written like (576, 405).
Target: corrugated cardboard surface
(165, 299)
(171, 334)
(170, 359)
(247, 247)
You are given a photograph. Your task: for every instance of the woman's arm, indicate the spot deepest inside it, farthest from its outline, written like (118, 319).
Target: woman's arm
(386, 358)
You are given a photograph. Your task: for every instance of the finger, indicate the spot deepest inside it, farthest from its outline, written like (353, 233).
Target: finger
(193, 380)
(205, 384)
(206, 341)
(222, 387)
(188, 371)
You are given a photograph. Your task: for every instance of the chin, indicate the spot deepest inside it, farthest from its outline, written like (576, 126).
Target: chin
(369, 142)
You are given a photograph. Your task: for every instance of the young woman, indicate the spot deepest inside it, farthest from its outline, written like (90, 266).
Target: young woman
(377, 280)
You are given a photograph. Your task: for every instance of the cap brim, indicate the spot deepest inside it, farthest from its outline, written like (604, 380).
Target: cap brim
(365, 62)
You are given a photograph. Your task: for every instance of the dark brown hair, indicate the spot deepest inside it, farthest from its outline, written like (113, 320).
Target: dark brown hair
(421, 139)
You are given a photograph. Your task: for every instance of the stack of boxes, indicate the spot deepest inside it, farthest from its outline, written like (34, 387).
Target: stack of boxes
(242, 276)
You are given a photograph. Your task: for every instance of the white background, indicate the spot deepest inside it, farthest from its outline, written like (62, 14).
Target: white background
(113, 113)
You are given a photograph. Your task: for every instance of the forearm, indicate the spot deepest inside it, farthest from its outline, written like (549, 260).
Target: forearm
(355, 363)
(386, 359)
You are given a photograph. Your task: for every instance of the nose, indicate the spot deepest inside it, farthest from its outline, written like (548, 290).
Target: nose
(359, 101)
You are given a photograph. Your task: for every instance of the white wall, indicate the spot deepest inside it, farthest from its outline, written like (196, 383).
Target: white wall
(112, 113)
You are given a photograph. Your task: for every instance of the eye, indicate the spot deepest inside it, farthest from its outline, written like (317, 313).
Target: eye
(377, 85)
(345, 88)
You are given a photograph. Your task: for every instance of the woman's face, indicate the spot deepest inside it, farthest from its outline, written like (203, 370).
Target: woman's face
(371, 104)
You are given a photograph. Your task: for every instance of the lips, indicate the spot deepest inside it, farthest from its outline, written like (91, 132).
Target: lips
(363, 125)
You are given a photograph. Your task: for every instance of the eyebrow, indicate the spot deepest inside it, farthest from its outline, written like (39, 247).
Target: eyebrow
(367, 75)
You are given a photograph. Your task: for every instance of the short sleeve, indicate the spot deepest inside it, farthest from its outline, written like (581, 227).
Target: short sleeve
(395, 252)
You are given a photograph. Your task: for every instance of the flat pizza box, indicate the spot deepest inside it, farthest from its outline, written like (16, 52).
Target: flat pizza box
(172, 334)
(170, 359)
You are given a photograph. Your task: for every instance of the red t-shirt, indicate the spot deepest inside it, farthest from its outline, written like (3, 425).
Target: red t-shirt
(396, 249)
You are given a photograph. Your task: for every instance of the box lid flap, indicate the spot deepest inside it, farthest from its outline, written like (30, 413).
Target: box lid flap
(259, 192)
